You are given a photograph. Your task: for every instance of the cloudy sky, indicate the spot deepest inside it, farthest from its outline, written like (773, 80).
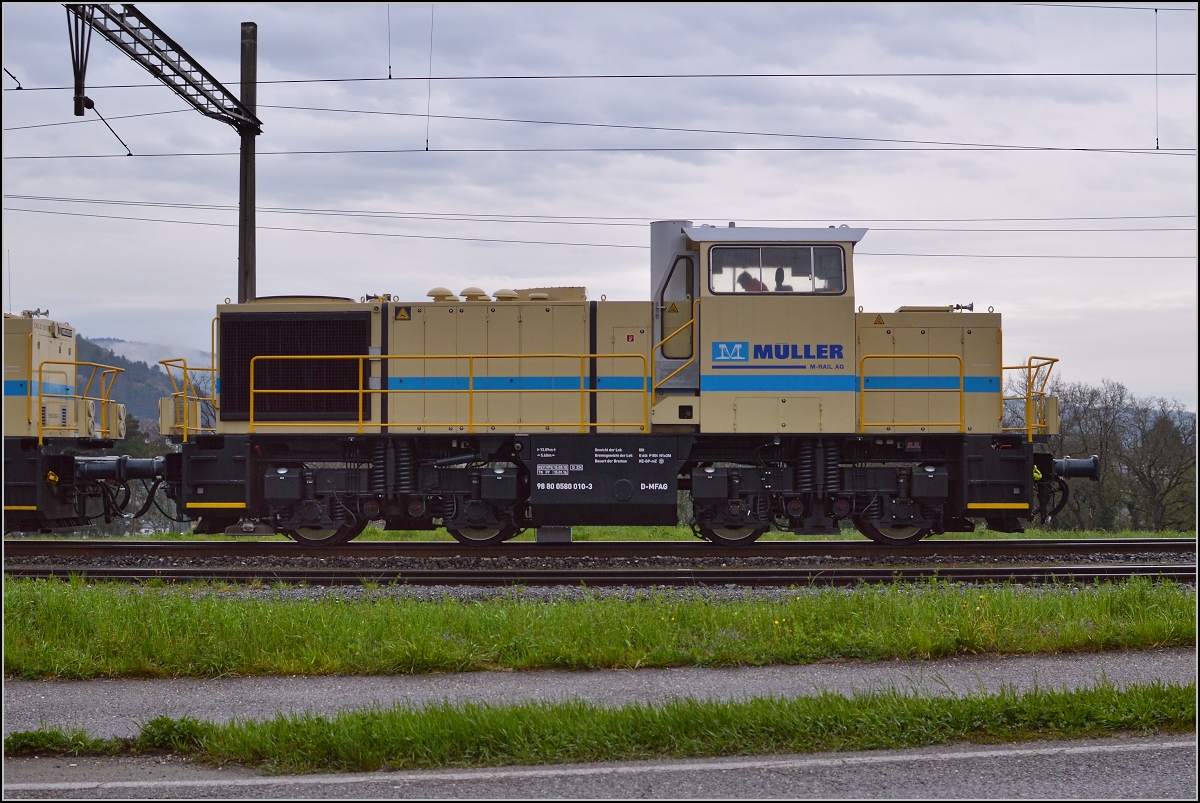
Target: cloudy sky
(1002, 154)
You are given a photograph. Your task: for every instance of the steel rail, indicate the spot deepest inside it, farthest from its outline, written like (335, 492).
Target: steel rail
(594, 549)
(1034, 575)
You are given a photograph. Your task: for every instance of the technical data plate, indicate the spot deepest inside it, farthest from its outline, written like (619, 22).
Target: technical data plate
(605, 479)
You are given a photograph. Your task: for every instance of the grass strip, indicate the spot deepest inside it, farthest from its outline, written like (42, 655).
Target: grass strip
(479, 735)
(59, 630)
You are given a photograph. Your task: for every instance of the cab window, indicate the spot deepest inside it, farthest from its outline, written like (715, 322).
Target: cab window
(788, 269)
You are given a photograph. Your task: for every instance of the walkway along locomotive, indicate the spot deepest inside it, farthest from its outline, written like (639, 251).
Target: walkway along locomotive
(749, 383)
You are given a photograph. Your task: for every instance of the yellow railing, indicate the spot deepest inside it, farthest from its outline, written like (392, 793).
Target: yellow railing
(661, 343)
(1037, 375)
(72, 401)
(29, 382)
(182, 400)
(862, 396)
(187, 400)
(471, 391)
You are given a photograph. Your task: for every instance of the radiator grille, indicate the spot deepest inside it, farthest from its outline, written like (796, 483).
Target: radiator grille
(244, 336)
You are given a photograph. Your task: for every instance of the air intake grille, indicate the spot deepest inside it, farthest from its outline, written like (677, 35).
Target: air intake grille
(248, 335)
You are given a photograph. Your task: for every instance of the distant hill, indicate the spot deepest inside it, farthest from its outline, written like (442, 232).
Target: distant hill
(138, 387)
(151, 353)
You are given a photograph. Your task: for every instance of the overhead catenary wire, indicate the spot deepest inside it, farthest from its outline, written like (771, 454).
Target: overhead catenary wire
(942, 144)
(583, 220)
(88, 120)
(664, 76)
(721, 131)
(731, 149)
(1106, 7)
(575, 244)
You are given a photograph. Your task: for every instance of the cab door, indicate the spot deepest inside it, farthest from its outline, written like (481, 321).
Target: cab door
(675, 328)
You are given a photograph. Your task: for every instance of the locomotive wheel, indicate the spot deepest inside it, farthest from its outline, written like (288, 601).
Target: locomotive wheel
(483, 536)
(310, 536)
(731, 536)
(892, 536)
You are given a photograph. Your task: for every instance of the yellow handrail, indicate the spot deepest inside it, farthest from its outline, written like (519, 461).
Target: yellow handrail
(212, 362)
(108, 376)
(661, 343)
(470, 390)
(29, 384)
(862, 396)
(183, 397)
(1034, 397)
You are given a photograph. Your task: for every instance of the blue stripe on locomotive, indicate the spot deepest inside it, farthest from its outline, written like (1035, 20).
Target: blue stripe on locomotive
(485, 383)
(844, 383)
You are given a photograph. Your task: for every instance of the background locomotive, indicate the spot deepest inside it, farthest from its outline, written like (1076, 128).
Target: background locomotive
(58, 421)
(748, 382)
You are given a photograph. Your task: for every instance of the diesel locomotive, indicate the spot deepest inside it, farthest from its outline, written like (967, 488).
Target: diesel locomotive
(748, 393)
(59, 420)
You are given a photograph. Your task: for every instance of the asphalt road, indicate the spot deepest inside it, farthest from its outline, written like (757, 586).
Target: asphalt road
(106, 708)
(1154, 768)
(1135, 767)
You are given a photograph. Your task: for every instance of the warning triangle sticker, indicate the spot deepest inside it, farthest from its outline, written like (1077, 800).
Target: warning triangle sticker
(673, 308)
(878, 319)
(402, 314)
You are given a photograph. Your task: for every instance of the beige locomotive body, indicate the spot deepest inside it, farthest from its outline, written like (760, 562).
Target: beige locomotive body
(48, 392)
(750, 381)
(705, 356)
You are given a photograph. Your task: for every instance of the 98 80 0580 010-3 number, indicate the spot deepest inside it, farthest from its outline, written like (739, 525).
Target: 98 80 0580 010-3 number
(564, 486)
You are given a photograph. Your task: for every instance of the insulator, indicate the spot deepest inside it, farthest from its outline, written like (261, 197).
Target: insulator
(406, 469)
(833, 472)
(379, 467)
(806, 470)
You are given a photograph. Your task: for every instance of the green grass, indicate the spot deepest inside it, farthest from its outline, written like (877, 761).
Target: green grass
(74, 630)
(640, 534)
(479, 735)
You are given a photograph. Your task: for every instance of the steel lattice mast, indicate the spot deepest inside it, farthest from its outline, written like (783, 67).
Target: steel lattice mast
(144, 42)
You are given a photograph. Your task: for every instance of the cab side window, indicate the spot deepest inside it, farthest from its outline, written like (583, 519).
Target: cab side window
(829, 275)
(790, 269)
(736, 270)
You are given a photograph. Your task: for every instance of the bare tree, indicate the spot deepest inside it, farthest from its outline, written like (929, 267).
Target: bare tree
(1147, 450)
(1093, 422)
(1159, 461)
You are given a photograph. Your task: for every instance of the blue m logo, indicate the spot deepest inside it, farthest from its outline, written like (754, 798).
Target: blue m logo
(730, 351)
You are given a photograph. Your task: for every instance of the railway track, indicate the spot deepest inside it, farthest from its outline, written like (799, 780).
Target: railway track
(810, 576)
(1033, 548)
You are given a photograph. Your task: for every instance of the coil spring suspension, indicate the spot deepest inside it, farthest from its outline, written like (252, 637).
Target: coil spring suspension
(806, 471)
(833, 472)
(405, 468)
(763, 508)
(339, 512)
(379, 468)
(874, 508)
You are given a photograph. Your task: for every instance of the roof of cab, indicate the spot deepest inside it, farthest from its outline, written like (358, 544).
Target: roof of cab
(750, 234)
